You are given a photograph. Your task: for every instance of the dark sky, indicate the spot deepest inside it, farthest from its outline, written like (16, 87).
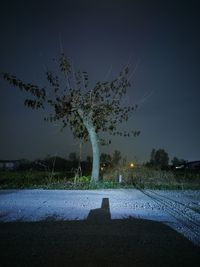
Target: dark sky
(161, 38)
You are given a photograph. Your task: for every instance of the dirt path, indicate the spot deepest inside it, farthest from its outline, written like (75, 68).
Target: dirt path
(112, 228)
(183, 208)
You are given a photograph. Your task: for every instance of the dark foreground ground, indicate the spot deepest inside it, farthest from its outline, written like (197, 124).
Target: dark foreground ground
(97, 241)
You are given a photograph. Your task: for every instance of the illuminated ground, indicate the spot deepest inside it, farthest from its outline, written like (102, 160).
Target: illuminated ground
(99, 228)
(178, 209)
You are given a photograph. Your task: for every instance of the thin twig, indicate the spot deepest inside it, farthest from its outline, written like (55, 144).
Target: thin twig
(60, 43)
(145, 98)
(134, 70)
(108, 73)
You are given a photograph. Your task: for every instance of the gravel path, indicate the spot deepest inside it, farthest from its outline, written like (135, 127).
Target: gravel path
(184, 207)
(178, 209)
(99, 228)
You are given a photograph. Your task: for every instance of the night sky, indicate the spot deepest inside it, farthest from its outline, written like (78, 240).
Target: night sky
(160, 39)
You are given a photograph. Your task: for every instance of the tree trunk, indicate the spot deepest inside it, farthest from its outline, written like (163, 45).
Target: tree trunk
(95, 152)
(95, 147)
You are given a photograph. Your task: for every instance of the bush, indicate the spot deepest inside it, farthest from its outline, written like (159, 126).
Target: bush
(145, 177)
(84, 179)
(29, 179)
(138, 177)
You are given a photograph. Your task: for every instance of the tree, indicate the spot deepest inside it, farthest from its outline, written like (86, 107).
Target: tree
(89, 159)
(86, 111)
(116, 157)
(106, 159)
(159, 159)
(55, 163)
(73, 157)
(177, 162)
(152, 157)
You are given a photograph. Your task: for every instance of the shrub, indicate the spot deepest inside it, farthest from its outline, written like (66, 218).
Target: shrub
(84, 179)
(145, 177)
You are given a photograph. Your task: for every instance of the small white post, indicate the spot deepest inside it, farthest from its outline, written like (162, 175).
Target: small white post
(120, 178)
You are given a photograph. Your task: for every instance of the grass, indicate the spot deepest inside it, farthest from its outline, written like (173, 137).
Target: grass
(30, 179)
(143, 177)
(139, 177)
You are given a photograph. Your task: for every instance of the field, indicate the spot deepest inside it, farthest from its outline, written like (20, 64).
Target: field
(138, 177)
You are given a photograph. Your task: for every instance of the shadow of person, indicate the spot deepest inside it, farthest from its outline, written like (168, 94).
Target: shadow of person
(102, 214)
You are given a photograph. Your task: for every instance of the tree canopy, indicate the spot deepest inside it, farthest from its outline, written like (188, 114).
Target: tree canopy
(87, 111)
(159, 159)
